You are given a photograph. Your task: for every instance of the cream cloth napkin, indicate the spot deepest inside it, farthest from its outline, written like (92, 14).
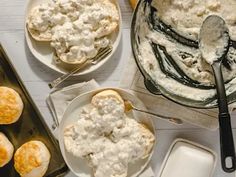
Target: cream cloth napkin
(59, 99)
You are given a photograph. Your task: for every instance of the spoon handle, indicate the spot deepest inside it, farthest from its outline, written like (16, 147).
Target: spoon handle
(170, 119)
(227, 143)
(226, 137)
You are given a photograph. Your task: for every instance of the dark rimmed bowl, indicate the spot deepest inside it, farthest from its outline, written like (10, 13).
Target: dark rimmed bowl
(147, 10)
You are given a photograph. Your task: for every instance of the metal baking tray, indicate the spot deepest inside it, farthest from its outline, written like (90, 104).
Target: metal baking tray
(30, 126)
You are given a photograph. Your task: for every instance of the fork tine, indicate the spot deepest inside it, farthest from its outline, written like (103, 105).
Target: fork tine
(102, 52)
(102, 55)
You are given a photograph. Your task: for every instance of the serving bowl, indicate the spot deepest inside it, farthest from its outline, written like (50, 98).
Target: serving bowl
(79, 166)
(44, 53)
(145, 13)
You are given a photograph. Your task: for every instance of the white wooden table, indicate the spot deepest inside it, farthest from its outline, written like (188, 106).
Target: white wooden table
(36, 76)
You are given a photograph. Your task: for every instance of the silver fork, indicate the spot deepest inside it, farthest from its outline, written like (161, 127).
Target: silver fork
(101, 55)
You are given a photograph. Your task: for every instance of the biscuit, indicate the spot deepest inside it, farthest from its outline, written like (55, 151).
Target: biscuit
(32, 159)
(109, 25)
(106, 94)
(149, 138)
(46, 35)
(61, 60)
(37, 36)
(109, 101)
(6, 150)
(11, 105)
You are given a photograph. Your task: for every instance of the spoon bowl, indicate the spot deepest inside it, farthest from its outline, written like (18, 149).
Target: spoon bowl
(214, 39)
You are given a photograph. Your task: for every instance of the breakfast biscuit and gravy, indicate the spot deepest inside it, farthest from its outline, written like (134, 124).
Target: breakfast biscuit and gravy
(106, 137)
(76, 29)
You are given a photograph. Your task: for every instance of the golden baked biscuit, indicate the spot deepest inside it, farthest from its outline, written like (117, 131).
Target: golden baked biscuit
(11, 105)
(106, 94)
(6, 150)
(32, 159)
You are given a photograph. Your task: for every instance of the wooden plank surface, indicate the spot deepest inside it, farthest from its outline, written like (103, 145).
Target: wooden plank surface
(36, 76)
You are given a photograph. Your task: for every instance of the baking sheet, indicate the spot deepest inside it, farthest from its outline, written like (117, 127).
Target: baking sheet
(30, 126)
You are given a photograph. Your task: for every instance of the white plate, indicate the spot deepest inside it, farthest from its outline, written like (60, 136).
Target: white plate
(44, 52)
(79, 166)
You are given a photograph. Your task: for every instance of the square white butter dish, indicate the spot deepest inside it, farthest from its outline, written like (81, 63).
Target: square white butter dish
(188, 159)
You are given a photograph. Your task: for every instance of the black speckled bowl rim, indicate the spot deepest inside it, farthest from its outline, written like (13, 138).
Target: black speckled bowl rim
(154, 88)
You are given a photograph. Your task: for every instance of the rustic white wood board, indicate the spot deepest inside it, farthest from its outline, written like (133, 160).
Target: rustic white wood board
(36, 76)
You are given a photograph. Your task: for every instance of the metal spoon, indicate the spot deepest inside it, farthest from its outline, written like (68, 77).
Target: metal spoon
(214, 45)
(129, 106)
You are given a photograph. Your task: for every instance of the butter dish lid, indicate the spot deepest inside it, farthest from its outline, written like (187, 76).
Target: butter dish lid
(188, 159)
